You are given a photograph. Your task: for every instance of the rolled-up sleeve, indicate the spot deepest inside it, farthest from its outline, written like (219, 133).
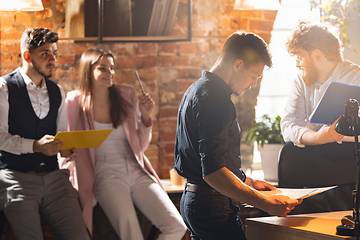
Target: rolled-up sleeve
(213, 119)
(294, 124)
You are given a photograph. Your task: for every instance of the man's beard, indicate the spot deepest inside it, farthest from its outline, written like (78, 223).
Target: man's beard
(38, 69)
(311, 76)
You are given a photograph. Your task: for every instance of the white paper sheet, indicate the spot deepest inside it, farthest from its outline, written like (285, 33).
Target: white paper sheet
(296, 193)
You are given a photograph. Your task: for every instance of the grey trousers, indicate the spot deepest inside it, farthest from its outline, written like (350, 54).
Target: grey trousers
(24, 196)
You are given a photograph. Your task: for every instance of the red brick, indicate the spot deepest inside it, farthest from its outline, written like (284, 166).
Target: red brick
(152, 151)
(164, 172)
(136, 62)
(146, 74)
(250, 13)
(199, 33)
(46, 13)
(7, 20)
(187, 48)
(61, 32)
(203, 47)
(264, 25)
(167, 97)
(7, 48)
(46, 2)
(80, 48)
(11, 34)
(166, 112)
(123, 49)
(224, 22)
(63, 75)
(22, 18)
(189, 73)
(11, 62)
(217, 47)
(265, 36)
(185, 84)
(270, 14)
(61, 6)
(148, 48)
(66, 85)
(155, 137)
(66, 48)
(6, 71)
(170, 161)
(61, 60)
(16, 48)
(228, 2)
(169, 61)
(238, 24)
(167, 124)
(171, 47)
(166, 136)
(47, 25)
(226, 33)
(170, 148)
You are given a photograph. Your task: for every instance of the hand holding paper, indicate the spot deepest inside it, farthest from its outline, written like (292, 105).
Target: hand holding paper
(47, 145)
(295, 193)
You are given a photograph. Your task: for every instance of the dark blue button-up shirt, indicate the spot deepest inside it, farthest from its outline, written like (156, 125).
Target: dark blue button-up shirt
(208, 135)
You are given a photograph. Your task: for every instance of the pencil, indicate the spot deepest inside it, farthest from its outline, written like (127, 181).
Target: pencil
(138, 78)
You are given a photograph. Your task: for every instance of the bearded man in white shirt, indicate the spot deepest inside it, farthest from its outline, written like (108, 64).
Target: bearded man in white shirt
(32, 111)
(316, 155)
(319, 56)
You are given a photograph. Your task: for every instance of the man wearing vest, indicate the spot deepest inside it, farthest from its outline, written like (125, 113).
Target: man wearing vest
(32, 111)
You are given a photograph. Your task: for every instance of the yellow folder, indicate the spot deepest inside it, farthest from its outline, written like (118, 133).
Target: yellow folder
(83, 139)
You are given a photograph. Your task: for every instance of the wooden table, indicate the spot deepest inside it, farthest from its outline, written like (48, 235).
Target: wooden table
(316, 226)
(171, 189)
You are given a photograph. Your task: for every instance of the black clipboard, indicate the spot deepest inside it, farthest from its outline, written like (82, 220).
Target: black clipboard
(331, 106)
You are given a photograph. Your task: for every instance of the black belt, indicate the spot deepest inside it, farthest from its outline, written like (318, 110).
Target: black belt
(191, 187)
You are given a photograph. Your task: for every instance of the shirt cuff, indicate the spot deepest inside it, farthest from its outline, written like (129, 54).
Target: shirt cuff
(27, 146)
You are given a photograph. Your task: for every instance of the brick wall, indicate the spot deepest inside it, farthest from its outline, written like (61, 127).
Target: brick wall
(166, 69)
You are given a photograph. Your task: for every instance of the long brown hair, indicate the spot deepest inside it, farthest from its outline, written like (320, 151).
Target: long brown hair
(118, 105)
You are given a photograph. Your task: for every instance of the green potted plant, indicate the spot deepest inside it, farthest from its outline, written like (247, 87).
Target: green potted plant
(267, 134)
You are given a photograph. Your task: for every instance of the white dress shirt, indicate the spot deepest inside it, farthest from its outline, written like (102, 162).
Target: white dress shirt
(40, 102)
(303, 99)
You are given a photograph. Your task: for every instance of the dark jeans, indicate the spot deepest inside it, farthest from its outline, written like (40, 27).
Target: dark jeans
(211, 217)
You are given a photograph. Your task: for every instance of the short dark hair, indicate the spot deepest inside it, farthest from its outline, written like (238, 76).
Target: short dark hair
(315, 36)
(33, 38)
(246, 46)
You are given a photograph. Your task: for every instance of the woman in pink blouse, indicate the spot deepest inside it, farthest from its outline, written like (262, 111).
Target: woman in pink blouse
(117, 174)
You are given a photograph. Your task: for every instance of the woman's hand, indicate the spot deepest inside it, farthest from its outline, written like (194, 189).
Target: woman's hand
(146, 105)
(69, 154)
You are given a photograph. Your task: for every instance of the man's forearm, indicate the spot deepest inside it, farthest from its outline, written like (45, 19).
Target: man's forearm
(224, 181)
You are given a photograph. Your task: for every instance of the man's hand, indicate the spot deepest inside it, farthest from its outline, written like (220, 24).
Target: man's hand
(259, 184)
(326, 134)
(47, 145)
(281, 205)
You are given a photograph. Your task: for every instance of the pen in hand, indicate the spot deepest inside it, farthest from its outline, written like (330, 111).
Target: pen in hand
(138, 78)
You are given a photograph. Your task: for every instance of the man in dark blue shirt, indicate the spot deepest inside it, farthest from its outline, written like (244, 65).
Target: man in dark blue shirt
(207, 151)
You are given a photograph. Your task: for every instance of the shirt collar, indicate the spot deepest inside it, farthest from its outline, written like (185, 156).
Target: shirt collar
(28, 80)
(223, 86)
